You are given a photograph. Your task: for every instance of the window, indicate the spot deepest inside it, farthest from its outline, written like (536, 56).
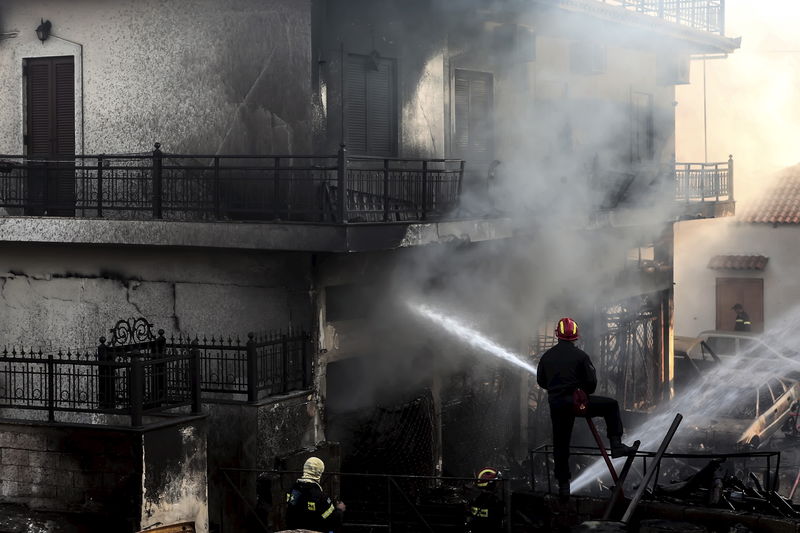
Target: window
(643, 128)
(473, 132)
(587, 58)
(370, 105)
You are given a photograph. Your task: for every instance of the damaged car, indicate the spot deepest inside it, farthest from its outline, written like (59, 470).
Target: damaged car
(755, 418)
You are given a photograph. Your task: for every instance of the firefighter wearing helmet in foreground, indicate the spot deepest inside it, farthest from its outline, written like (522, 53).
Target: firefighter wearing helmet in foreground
(569, 377)
(308, 507)
(486, 508)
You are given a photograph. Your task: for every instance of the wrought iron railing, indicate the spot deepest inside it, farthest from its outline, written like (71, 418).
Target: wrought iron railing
(704, 182)
(136, 372)
(84, 382)
(158, 185)
(266, 364)
(704, 15)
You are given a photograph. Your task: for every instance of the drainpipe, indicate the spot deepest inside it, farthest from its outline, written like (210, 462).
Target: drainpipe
(83, 114)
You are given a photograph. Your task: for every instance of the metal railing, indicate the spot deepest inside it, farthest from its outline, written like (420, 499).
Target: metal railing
(158, 185)
(146, 377)
(765, 462)
(87, 383)
(704, 15)
(704, 182)
(375, 502)
(267, 364)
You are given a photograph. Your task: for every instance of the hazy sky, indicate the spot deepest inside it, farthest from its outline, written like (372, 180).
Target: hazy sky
(753, 96)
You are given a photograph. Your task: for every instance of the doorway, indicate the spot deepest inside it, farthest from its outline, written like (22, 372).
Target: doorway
(749, 292)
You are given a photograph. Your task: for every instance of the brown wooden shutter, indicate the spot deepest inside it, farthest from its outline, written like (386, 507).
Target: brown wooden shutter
(64, 107)
(473, 135)
(51, 135)
(39, 110)
(370, 105)
(356, 105)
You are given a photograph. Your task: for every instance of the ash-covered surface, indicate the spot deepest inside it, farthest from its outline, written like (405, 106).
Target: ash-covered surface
(21, 519)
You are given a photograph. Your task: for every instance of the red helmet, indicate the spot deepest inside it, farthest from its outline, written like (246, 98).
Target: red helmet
(567, 329)
(487, 475)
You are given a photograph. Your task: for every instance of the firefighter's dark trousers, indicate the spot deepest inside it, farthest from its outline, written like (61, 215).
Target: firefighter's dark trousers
(563, 417)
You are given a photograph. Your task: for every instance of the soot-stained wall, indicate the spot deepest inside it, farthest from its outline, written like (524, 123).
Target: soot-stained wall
(250, 436)
(68, 296)
(199, 76)
(175, 487)
(69, 469)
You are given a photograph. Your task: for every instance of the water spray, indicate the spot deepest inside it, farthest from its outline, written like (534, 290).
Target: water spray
(469, 335)
(716, 392)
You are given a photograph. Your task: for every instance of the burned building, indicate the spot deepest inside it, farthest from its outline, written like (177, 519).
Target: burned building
(303, 169)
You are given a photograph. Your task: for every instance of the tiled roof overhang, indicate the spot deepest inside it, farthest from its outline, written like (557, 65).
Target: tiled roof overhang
(738, 262)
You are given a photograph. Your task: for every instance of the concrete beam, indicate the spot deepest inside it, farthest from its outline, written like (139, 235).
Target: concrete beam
(278, 236)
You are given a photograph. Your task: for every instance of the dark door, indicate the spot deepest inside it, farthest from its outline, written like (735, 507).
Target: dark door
(746, 291)
(50, 136)
(473, 132)
(370, 105)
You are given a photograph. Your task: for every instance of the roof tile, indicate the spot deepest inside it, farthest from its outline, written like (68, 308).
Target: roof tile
(780, 204)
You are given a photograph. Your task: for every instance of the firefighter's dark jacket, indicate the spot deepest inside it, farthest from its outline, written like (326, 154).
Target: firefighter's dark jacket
(564, 368)
(309, 508)
(486, 513)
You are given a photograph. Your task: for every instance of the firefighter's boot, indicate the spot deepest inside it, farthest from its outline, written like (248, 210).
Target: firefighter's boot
(563, 490)
(618, 449)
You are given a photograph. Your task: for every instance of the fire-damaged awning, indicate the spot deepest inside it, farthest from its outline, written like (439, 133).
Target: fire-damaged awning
(738, 262)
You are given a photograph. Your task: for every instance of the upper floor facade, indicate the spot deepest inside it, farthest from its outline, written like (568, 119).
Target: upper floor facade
(376, 113)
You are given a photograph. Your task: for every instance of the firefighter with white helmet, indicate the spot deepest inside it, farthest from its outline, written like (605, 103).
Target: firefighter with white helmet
(308, 506)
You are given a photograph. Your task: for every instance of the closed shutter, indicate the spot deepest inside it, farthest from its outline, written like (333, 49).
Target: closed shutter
(51, 135)
(370, 105)
(40, 110)
(473, 135)
(643, 127)
(64, 107)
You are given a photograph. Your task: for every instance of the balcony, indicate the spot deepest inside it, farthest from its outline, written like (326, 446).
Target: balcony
(159, 186)
(705, 190)
(702, 15)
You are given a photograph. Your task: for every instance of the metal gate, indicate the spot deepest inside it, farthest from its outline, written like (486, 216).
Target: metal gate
(629, 352)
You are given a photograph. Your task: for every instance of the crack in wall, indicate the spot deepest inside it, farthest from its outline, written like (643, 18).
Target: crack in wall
(128, 299)
(428, 124)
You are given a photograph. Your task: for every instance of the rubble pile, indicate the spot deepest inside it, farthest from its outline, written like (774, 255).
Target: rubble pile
(710, 487)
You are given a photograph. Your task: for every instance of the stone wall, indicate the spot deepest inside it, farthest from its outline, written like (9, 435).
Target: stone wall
(126, 478)
(81, 470)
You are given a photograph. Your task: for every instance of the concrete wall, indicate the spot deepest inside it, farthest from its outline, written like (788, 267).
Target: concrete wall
(430, 42)
(253, 436)
(82, 470)
(697, 241)
(199, 76)
(68, 296)
(175, 480)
